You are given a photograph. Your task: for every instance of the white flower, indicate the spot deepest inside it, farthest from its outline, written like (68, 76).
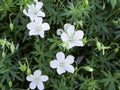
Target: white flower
(37, 80)
(34, 10)
(70, 37)
(37, 27)
(63, 64)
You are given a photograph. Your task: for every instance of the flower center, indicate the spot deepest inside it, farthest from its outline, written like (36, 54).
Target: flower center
(35, 11)
(38, 28)
(71, 39)
(62, 64)
(37, 79)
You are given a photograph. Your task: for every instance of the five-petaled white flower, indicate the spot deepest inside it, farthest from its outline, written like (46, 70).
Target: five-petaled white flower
(70, 37)
(34, 10)
(37, 27)
(37, 80)
(63, 64)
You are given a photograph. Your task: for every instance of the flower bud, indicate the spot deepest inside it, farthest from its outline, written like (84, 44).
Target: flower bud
(98, 45)
(11, 26)
(23, 67)
(84, 40)
(28, 71)
(10, 83)
(87, 68)
(86, 2)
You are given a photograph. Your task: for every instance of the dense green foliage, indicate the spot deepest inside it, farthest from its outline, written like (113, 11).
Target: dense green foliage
(21, 53)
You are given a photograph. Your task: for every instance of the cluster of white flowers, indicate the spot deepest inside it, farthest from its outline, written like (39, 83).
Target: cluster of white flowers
(69, 36)
(36, 26)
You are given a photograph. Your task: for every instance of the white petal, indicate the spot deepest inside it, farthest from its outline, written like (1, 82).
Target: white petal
(69, 68)
(30, 78)
(38, 20)
(31, 7)
(40, 85)
(70, 30)
(59, 32)
(33, 85)
(60, 70)
(60, 56)
(69, 59)
(78, 43)
(25, 12)
(31, 26)
(54, 64)
(71, 45)
(41, 33)
(66, 26)
(32, 17)
(44, 78)
(37, 73)
(39, 5)
(41, 14)
(78, 35)
(64, 37)
(45, 26)
(32, 33)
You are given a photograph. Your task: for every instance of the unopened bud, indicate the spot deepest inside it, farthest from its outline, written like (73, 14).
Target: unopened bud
(86, 2)
(28, 71)
(10, 83)
(11, 26)
(87, 68)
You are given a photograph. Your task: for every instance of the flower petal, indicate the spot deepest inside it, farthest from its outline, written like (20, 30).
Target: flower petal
(69, 68)
(64, 37)
(39, 5)
(32, 17)
(60, 56)
(33, 85)
(71, 45)
(54, 64)
(31, 26)
(30, 78)
(78, 35)
(41, 33)
(45, 26)
(38, 20)
(69, 59)
(37, 73)
(66, 26)
(25, 12)
(78, 43)
(44, 78)
(40, 85)
(41, 14)
(60, 70)
(32, 33)
(70, 30)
